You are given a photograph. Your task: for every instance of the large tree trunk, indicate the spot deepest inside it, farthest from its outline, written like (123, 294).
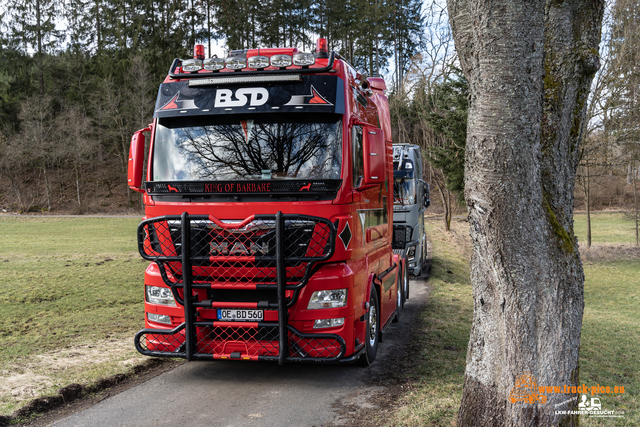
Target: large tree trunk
(519, 178)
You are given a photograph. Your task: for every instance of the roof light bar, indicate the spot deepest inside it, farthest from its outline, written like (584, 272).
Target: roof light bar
(281, 61)
(230, 80)
(192, 65)
(304, 59)
(213, 64)
(258, 62)
(236, 62)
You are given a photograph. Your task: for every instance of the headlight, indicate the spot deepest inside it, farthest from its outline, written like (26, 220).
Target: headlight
(411, 253)
(328, 299)
(158, 295)
(328, 323)
(159, 318)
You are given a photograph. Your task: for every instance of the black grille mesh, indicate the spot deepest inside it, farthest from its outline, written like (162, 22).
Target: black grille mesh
(236, 256)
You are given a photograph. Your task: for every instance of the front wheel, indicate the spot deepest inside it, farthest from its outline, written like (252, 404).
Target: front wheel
(405, 284)
(372, 332)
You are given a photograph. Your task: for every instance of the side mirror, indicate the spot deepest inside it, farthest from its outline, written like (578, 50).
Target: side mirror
(374, 156)
(136, 160)
(427, 195)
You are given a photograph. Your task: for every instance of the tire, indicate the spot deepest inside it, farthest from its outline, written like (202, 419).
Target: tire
(405, 278)
(372, 329)
(399, 296)
(423, 250)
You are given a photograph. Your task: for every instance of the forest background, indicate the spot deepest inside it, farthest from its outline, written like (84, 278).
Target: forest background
(78, 77)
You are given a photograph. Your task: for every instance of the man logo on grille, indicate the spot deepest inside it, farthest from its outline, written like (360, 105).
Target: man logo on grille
(238, 248)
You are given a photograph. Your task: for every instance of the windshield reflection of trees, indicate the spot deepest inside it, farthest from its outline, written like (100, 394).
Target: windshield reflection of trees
(404, 191)
(224, 152)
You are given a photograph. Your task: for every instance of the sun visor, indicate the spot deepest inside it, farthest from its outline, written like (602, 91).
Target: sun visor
(318, 94)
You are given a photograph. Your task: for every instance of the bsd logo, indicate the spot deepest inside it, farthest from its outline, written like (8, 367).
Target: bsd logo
(257, 96)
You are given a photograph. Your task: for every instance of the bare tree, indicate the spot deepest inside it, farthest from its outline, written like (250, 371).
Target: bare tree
(73, 135)
(37, 128)
(19, 166)
(529, 66)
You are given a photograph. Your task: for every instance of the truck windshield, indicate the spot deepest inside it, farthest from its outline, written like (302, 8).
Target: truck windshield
(266, 146)
(404, 191)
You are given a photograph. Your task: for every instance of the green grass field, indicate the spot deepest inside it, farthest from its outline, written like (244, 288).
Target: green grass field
(610, 348)
(606, 228)
(72, 299)
(610, 343)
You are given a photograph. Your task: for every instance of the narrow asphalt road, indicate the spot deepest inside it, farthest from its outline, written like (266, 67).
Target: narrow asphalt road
(251, 394)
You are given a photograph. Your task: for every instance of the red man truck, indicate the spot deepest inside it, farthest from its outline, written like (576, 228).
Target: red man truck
(268, 201)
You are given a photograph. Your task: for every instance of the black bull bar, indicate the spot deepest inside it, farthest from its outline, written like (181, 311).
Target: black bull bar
(272, 255)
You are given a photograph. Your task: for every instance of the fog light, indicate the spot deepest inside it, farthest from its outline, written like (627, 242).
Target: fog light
(159, 295)
(159, 318)
(328, 323)
(333, 298)
(412, 264)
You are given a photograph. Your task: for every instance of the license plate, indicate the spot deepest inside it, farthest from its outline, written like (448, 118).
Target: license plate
(239, 314)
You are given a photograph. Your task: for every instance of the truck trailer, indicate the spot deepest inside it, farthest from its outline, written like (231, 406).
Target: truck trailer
(268, 210)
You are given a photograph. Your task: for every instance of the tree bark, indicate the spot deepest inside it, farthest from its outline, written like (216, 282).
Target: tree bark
(521, 159)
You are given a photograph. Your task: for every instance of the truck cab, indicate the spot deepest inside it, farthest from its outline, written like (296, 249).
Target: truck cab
(410, 200)
(268, 210)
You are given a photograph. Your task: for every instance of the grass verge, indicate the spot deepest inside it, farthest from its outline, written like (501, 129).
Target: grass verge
(610, 342)
(442, 336)
(72, 299)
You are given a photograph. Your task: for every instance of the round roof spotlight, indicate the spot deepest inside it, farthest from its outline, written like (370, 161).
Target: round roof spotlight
(213, 64)
(304, 59)
(258, 62)
(235, 62)
(281, 61)
(192, 65)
